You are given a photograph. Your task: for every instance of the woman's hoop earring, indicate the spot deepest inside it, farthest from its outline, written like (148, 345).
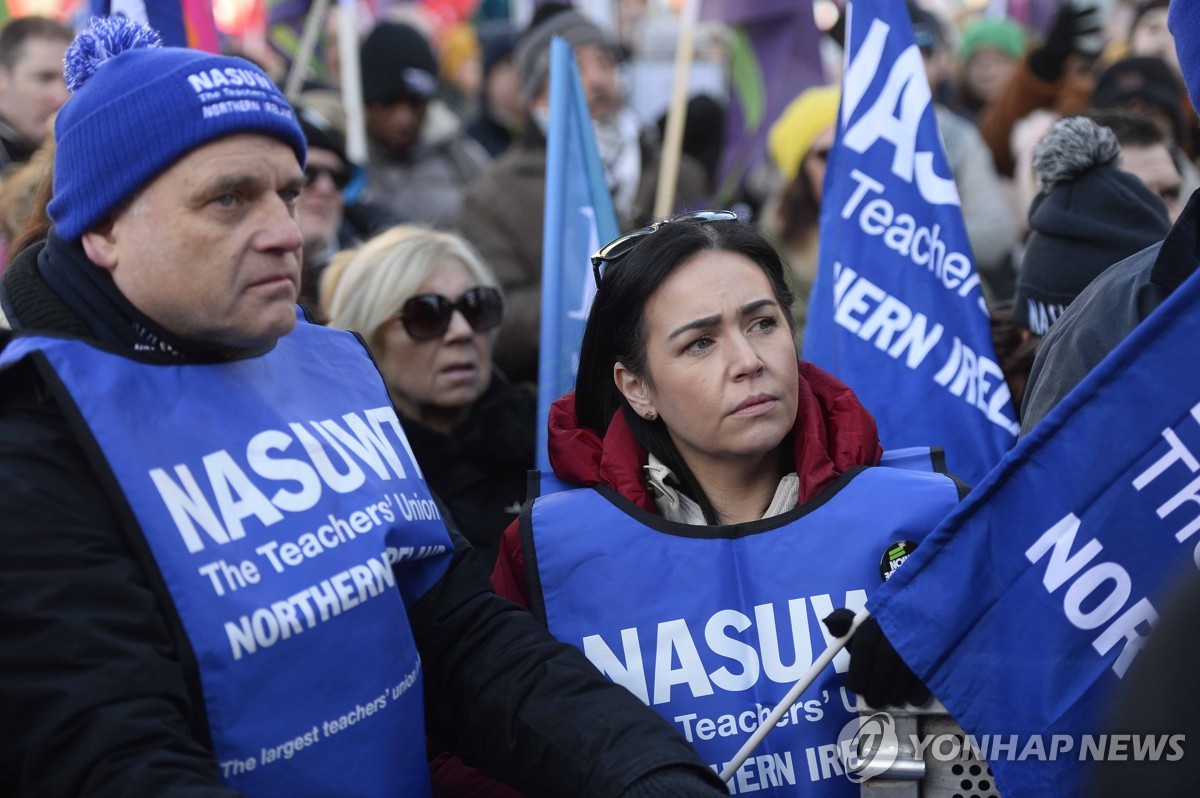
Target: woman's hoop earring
(649, 414)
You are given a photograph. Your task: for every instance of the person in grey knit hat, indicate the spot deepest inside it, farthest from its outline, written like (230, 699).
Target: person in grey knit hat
(1089, 215)
(502, 213)
(532, 55)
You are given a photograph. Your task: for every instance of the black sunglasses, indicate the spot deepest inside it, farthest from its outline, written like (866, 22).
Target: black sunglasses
(340, 177)
(621, 246)
(427, 316)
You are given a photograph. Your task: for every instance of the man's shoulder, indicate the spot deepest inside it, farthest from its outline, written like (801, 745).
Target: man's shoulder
(1093, 325)
(30, 418)
(14, 147)
(1117, 296)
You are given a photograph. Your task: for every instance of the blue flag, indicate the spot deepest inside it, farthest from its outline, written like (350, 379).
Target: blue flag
(1023, 611)
(579, 219)
(896, 310)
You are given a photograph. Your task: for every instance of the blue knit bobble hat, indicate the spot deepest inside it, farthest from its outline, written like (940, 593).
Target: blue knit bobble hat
(136, 107)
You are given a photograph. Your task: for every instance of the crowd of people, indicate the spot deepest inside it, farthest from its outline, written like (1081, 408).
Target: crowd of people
(235, 366)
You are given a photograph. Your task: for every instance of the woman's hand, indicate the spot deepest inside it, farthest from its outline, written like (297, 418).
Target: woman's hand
(876, 671)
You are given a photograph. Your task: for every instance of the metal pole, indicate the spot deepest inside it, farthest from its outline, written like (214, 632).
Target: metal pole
(668, 172)
(792, 697)
(308, 44)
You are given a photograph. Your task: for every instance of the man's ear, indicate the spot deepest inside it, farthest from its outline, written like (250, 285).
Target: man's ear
(100, 245)
(635, 390)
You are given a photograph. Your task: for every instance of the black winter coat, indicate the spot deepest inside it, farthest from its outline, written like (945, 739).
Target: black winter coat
(480, 471)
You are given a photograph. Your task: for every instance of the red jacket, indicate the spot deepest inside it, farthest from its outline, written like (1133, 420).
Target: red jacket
(832, 434)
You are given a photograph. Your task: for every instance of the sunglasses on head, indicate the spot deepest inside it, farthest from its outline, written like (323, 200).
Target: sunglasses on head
(621, 246)
(427, 316)
(340, 177)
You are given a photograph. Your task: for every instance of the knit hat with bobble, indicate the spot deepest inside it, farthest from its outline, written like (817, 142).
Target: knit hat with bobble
(136, 107)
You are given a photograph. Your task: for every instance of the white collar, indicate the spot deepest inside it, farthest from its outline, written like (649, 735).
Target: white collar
(674, 505)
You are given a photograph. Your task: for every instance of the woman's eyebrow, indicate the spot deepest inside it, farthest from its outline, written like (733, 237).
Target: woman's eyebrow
(708, 321)
(756, 305)
(698, 324)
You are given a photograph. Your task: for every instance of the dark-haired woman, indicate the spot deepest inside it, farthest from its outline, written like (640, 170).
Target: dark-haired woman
(713, 499)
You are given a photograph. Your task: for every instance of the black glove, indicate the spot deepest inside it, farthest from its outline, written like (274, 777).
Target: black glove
(876, 671)
(677, 782)
(1073, 31)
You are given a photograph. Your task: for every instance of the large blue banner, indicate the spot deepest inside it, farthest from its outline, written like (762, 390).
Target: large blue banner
(896, 310)
(579, 219)
(1025, 609)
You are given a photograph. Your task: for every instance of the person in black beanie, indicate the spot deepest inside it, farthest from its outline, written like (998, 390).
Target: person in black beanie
(1089, 215)
(420, 158)
(1145, 85)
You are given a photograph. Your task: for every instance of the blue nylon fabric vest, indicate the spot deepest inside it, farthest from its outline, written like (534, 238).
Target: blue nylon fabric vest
(281, 505)
(712, 626)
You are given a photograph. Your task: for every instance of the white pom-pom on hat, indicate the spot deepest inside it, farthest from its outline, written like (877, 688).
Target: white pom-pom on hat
(1072, 147)
(105, 38)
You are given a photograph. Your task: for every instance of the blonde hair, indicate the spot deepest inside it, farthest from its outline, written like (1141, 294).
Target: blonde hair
(364, 288)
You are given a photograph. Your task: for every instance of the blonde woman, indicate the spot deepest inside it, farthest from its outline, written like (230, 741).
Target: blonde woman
(429, 309)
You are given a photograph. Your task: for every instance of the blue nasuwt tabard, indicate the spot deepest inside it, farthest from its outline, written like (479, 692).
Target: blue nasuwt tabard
(276, 501)
(712, 625)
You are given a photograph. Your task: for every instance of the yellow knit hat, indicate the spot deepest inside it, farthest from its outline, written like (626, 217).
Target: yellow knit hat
(457, 44)
(805, 118)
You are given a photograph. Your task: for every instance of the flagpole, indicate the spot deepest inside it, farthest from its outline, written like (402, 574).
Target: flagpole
(668, 171)
(356, 125)
(308, 43)
(792, 697)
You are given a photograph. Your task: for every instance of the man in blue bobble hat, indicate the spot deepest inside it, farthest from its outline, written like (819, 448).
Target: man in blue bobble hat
(222, 570)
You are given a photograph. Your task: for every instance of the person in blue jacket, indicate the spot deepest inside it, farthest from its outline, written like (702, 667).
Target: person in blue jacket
(223, 572)
(713, 499)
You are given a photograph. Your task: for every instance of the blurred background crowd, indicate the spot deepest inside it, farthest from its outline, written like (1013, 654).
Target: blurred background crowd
(450, 192)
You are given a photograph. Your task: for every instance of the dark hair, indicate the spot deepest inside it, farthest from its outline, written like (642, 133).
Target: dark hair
(616, 328)
(37, 222)
(799, 210)
(1016, 350)
(22, 29)
(1131, 129)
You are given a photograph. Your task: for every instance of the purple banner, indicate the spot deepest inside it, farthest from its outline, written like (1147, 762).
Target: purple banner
(776, 56)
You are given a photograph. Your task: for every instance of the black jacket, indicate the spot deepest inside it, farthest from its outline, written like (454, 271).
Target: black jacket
(480, 470)
(15, 149)
(96, 700)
